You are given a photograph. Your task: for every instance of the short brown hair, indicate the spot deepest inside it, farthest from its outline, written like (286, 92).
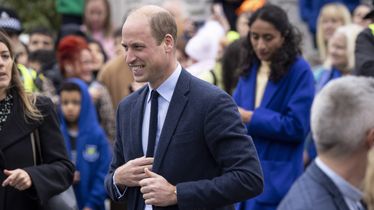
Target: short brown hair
(160, 20)
(163, 23)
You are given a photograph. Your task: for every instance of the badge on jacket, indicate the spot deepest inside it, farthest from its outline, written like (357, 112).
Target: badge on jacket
(91, 153)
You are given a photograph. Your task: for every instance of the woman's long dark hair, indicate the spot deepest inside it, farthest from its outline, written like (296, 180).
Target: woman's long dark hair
(28, 100)
(231, 60)
(283, 58)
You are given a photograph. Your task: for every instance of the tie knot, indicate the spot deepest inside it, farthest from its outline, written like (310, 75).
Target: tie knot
(154, 94)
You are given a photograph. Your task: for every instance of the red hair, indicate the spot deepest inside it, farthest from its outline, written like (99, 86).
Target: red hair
(69, 50)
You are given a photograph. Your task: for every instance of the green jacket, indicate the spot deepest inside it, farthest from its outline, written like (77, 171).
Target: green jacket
(71, 7)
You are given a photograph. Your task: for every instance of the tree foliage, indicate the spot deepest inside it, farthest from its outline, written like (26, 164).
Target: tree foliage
(35, 13)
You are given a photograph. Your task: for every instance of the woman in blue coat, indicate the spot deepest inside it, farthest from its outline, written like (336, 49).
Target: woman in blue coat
(86, 143)
(274, 96)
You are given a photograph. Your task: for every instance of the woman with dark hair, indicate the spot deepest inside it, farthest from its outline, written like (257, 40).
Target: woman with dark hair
(231, 60)
(99, 57)
(274, 95)
(28, 182)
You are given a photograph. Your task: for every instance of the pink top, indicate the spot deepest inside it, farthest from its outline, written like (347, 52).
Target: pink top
(106, 42)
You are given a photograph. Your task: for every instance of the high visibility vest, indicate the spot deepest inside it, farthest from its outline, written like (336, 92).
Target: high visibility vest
(371, 26)
(28, 76)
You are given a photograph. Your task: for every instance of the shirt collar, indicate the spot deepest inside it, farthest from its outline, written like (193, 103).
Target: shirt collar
(349, 191)
(166, 89)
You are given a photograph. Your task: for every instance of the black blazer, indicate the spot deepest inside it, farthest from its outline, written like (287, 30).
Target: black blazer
(203, 149)
(48, 179)
(313, 190)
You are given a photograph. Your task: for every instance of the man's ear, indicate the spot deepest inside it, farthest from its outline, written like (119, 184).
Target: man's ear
(168, 43)
(370, 138)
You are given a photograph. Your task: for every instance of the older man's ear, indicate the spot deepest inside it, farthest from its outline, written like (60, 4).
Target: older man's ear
(370, 138)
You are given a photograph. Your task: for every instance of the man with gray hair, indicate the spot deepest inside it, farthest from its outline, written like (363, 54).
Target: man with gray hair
(342, 124)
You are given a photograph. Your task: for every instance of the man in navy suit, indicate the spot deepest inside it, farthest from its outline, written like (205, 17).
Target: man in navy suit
(343, 127)
(202, 157)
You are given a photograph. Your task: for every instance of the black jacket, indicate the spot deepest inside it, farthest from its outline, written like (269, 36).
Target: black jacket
(364, 53)
(49, 178)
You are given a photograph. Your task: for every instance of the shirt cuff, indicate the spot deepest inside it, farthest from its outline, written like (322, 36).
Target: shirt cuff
(117, 190)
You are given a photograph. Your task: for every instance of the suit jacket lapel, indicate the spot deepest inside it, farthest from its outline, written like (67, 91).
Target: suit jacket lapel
(270, 90)
(137, 122)
(329, 185)
(176, 107)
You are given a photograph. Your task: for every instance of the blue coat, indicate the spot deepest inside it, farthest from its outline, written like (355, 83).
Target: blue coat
(278, 128)
(313, 190)
(93, 153)
(327, 76)
(203, 149)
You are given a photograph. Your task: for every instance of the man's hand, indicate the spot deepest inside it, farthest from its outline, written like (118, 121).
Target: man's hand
(157, 191)
(132, 172)
(18, 179)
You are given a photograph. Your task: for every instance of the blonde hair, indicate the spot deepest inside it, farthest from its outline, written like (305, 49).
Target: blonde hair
(350, 32)
(337, 10)
(28, 99)
(369, 181)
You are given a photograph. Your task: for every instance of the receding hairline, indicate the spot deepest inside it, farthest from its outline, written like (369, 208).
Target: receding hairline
(161, 22)
(147, 11)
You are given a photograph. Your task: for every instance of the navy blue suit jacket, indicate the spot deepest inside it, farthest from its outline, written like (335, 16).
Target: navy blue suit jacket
(313, 190)
(203, 149)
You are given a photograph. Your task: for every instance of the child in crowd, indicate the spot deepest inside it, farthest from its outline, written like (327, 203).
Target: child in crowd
(98, 24)
(86, 143)
(41, 38)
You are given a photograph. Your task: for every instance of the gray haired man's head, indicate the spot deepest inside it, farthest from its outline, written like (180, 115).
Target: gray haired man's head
(342, 115)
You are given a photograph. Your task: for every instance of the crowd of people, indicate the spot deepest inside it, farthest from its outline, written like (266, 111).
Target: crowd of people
(168, 113)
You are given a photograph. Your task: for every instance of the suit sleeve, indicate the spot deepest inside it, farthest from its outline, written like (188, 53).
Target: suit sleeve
(55, 174)
(117, 160)
(233, 151)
